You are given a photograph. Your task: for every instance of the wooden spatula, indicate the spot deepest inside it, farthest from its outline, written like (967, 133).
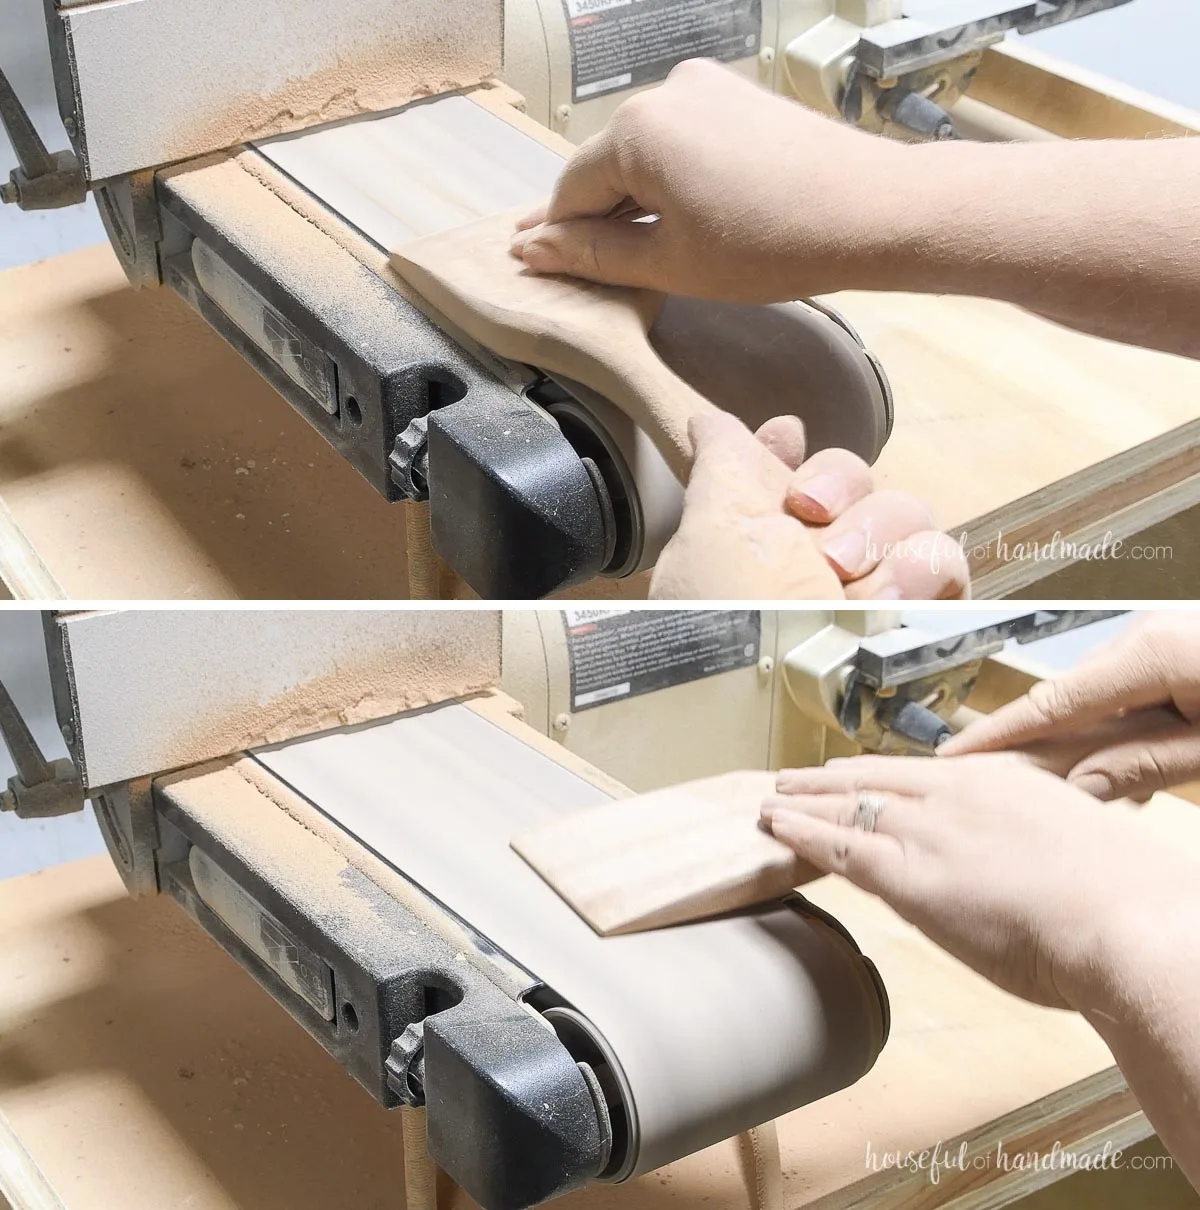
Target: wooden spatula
(595, 335)
(666, 858)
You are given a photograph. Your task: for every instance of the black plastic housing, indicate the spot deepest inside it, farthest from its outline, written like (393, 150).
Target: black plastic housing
(509, 1113)
(513, 507)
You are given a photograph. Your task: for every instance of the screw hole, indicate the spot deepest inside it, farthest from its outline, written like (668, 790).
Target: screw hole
(350, 1018)
(353, 410)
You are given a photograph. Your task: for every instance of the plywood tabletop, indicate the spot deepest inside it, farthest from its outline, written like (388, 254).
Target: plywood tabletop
(143, 458)
(141, 1067)
(994, 403)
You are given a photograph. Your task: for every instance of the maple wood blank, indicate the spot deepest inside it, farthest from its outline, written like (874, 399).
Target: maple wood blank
(593, 334)
(669, 857)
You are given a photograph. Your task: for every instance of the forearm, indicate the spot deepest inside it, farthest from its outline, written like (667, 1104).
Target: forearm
(1104, 236)
(1145, 1006)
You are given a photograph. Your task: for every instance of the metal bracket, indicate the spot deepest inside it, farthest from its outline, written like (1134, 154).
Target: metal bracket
(908, 44)
(43, 180)
(41, 789)
(895, 691)
(900, 657)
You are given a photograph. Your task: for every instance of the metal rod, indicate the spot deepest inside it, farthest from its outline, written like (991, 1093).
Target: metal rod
(32, 766)
(32, 155)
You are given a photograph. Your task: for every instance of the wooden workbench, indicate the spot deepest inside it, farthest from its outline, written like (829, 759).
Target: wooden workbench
(141, 1068)
(141, 458)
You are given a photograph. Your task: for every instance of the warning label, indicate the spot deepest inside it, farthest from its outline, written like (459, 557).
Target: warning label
(618, 44)
(620, 653)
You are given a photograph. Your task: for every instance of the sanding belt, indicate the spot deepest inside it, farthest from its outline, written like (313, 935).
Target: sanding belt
(447, 162)
(717, 1026)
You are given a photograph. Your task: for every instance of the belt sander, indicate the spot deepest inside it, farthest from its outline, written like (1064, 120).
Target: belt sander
(261, 159)
(331, 796)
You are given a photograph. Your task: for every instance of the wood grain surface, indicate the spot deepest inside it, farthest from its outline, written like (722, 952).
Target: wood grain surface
(668, 857)
(592, 334)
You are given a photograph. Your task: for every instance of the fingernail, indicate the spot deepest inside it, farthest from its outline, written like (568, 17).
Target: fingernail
(820, 499)
(539, 256)
(1098, 785)
(848, 552)
(788, 781)
(769, 807)
(781, 819)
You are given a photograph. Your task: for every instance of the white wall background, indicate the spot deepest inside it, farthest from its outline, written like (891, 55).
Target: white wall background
(1147, 43)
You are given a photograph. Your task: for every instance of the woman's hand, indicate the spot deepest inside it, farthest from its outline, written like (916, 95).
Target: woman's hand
(755, 198)
(1027, 880)
(1124, 724)
(750, 531)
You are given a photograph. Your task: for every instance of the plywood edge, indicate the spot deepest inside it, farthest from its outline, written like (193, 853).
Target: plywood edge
(1071, 101)
(23, 1185)
(1123, 494)
(23, 573)
(1085, 1118)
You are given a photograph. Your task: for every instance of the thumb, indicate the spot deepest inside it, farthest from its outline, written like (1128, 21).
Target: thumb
(615, 252)
(730, 466)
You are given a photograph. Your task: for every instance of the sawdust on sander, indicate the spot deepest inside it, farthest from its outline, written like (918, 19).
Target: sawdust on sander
(387, 879)
(272, 841)
(300, 867)
(311, 258)
(382, 80)
(302, 203)
(394, 681)
(321, 70)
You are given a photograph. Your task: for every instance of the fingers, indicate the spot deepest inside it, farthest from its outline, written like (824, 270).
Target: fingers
(827, 485)
(927, 566)
(613, 251)
(592, 184)
(894, 819)
(856, 542)
(881, 544)
(785, 438)
(1080, 698)
(867, 859)
(728, 460)
(535, 218)
(903, 775)
(1142, 767)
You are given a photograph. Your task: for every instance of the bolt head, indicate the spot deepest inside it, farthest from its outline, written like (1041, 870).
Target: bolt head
(562, 722)
(563, 114)
(766, 56)
(766, 665)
